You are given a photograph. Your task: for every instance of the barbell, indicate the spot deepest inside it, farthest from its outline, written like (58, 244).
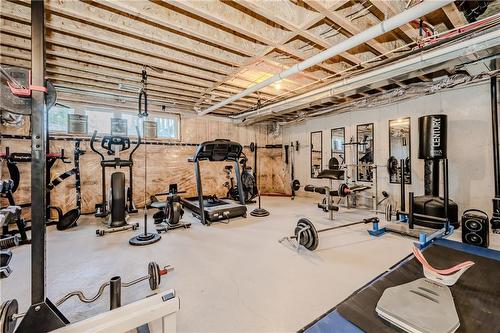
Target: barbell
(9, 309)
(307, 235)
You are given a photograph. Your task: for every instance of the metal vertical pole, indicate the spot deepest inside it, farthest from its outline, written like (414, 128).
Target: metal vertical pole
(446, 195)
(403, 183)
(495, 219)
(115, 292)
(42, 316)
(237, 172)
(199, 187)
(38, 153)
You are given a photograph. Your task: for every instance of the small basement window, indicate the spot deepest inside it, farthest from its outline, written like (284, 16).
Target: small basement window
(168, 126)
(100, 121)
(58, 119)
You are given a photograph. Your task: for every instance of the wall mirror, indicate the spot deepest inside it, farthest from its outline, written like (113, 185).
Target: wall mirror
(316, 153)
(338, 148)
(399, 148)
(365, 153)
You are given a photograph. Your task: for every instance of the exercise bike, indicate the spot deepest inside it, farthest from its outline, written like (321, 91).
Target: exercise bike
(247, 180)
(170, 211)
(118, 204)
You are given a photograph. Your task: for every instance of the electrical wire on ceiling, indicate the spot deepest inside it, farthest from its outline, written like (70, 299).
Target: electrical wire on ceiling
(412, 45)
(397, 95)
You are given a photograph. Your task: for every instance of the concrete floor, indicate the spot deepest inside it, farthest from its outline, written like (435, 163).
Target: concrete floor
(232, 277)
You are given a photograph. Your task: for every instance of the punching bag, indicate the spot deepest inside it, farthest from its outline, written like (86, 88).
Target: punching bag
(432, 132)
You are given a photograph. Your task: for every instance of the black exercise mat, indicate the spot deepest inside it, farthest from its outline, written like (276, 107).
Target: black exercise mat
(476, 294)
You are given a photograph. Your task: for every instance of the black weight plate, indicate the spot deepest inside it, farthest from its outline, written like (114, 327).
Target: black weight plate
(304, 236)
(7, 310)
(310, 236)
(392, 165)
(69, 219)
(295, 185)
(154, 275)
(343, 190)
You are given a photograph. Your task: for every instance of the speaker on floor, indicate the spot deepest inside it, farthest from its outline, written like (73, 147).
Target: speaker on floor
(475, 228)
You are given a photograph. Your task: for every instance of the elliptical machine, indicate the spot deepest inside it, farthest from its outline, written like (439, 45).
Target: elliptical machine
(119, 202)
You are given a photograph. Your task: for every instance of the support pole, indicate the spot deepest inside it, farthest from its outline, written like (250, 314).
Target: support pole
(495, 219)
(38, 152)
(42, 316)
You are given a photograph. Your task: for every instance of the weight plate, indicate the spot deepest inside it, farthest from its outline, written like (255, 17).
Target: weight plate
(7, 310)
(343, 190)
(392, 166)
(309, 237)
(295, 185)
(154, 275)
(304, 235)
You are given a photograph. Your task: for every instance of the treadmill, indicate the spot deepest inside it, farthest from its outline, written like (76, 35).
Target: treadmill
(210, 208)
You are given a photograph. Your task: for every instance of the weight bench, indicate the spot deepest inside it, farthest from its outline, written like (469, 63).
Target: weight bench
(476, 294)
(327, 204)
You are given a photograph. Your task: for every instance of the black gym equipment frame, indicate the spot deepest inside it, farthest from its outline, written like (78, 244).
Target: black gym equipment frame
(114, 163)
(42, 315)
(495, 219)
(217, 150)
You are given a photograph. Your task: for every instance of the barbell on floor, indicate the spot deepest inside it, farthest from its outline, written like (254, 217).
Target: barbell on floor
(8, 309)
(307, 235)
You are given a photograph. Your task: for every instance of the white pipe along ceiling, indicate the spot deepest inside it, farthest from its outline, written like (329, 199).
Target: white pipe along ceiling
(419, 61)
(375, 31)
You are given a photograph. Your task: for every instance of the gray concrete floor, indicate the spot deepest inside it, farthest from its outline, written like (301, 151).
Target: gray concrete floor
(232, 277)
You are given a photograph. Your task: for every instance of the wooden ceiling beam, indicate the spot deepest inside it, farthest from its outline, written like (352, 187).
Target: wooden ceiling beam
(182, 24)
(347, 25)
(83, 85)
(57, 41)
(63, 27)
(112, 21)
(80, 101)
(299, 31)
(98, 59)
(14, 57)
(456, 18)
(201, 9)
(388, 9)
(114, 87)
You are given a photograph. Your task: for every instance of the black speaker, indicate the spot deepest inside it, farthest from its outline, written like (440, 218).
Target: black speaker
(475, 228)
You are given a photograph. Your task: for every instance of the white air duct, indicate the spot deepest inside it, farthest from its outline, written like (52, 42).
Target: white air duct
(416, 62)
(375, 31)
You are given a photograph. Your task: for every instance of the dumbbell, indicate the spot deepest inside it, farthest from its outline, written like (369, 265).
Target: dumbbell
(5, 257)
(307, 235)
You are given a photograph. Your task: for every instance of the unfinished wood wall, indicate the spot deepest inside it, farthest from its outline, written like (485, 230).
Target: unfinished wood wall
(165, 164)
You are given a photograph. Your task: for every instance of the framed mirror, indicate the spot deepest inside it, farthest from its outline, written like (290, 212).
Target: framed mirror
(365, 152)
(399, 148)
(338, 148)
(316, 153)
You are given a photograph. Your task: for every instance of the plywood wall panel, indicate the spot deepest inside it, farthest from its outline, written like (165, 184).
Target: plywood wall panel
(165, 165)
